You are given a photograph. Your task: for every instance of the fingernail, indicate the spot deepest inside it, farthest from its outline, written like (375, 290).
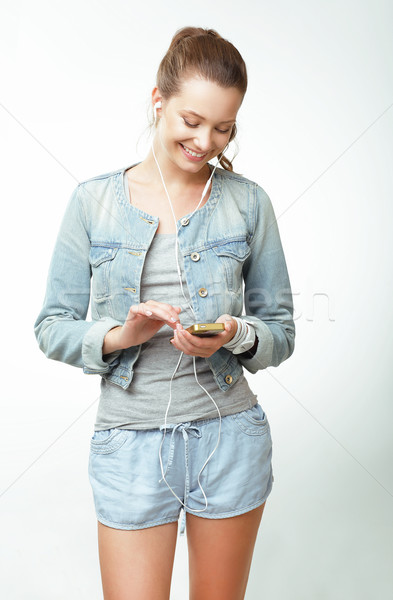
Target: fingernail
(173, 320)
(148, 312)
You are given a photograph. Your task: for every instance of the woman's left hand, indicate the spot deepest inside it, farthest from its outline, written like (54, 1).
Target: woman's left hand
(195, 345)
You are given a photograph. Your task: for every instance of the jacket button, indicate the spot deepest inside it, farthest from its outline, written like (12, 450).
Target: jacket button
(203, 292)
(228, 379)
(195, 256)
(185, 221)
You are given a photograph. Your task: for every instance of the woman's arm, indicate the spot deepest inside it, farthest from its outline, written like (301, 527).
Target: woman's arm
(267, 293)
(61, 328)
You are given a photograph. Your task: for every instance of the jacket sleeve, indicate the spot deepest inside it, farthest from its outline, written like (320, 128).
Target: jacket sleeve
(267, 290)
(61, 328)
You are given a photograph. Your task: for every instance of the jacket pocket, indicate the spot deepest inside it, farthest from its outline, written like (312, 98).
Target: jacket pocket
(231, 256)
(101, 261)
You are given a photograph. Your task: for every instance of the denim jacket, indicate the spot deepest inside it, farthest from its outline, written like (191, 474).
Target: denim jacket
(232, 256)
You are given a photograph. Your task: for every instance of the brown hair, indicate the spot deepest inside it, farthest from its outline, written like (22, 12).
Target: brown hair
(195, 51)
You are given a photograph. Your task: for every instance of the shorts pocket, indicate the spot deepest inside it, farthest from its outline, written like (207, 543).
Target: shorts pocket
(252, 421)
(107, 441)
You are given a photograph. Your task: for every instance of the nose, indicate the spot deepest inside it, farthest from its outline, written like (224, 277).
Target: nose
(203, 141)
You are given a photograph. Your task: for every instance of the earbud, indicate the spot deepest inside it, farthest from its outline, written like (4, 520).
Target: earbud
(157, 105)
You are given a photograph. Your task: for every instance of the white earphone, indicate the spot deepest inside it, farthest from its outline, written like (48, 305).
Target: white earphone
(157, 105)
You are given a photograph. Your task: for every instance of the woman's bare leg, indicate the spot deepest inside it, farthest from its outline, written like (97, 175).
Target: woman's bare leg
(137, 564)
(220, 553)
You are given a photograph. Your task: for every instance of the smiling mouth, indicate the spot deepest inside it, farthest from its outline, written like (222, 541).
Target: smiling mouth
(192, 152)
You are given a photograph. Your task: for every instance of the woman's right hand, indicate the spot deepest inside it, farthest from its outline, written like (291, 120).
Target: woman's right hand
(142, 322)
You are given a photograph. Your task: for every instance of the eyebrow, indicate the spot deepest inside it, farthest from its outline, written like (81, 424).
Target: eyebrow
(200, 116)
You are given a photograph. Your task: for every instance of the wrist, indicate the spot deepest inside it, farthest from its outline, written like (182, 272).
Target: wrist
(243, 339)
(112, 341)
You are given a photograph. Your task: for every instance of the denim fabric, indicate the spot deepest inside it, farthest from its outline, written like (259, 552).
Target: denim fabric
(102, 243)
(126, 477)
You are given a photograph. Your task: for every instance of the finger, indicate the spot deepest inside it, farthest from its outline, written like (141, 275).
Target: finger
(132, 312)
(179, 344)
(196, 345)
(190, 350)
(139, 309)
(199, 341)
(164, 305)
(159, 312)
(223, 318)
(229, 328)
(178, 341)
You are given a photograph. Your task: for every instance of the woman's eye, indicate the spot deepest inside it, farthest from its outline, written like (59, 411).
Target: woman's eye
(191, 125)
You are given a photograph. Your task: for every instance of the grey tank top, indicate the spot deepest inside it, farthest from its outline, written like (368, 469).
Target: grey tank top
(143, 405)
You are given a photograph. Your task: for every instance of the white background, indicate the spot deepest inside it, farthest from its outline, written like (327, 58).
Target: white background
(315, 131)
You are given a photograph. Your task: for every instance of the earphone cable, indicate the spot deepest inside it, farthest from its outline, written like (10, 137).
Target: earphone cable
(194, 363)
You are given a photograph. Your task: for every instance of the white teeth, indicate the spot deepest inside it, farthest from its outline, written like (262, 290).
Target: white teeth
(192, 153)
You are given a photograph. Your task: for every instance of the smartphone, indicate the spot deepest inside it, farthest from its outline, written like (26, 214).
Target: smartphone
(206, 329)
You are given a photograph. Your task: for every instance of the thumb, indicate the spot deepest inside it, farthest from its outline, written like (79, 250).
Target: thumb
(228, 324)
(223, 318)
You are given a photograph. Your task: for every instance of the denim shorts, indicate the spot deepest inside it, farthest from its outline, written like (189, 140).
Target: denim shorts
(126, 474)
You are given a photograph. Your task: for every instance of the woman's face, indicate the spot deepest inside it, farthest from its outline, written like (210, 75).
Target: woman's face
(195, 126)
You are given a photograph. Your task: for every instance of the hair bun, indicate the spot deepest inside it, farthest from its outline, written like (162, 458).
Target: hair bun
(188, 32)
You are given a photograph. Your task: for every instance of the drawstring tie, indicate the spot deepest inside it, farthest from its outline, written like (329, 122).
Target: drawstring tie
(186, 429)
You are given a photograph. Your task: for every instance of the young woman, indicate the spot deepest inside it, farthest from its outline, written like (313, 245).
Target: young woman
(166, 243)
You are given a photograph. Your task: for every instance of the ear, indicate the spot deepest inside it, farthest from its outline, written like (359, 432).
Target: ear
(156, 96)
